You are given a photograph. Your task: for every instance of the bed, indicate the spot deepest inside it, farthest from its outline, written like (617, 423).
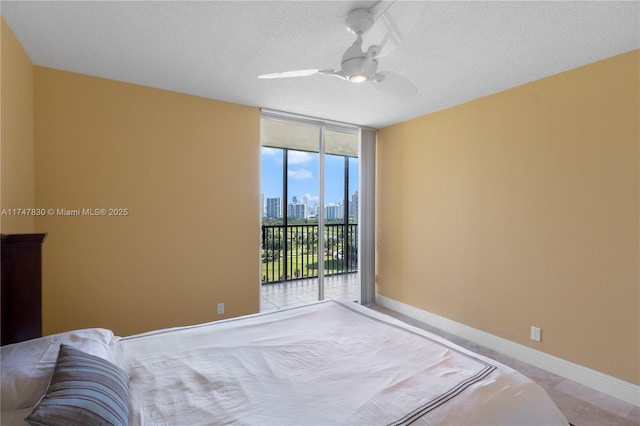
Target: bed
(327, 363)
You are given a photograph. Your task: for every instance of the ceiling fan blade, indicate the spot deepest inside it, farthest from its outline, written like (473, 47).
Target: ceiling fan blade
(287, 74)
(334, 73)
(393, 26)
(393, 83)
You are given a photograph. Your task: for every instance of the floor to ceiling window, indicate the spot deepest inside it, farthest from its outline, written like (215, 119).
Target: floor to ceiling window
(310, 205)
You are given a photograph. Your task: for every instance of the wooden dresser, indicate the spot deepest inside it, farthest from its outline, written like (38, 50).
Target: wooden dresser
(21, 287)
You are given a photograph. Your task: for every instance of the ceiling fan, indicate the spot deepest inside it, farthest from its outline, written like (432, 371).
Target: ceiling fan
(382, 35)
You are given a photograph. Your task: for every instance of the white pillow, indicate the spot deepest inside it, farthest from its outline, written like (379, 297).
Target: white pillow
(27, 367)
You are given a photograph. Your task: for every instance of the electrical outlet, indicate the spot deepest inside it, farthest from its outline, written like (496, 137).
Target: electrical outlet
(220, 308)
(536, 333)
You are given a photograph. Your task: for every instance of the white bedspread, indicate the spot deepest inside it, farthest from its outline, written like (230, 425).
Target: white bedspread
(321, 364)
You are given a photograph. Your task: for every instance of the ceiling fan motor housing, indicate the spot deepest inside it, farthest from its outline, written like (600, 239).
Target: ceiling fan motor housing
(352, 60)
(359, 69)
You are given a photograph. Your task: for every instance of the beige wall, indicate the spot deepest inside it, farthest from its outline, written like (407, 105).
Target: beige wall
(187, 170)
(521, 209)
(16, 134)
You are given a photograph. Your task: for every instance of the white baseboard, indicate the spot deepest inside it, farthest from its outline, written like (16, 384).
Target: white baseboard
(601, 382)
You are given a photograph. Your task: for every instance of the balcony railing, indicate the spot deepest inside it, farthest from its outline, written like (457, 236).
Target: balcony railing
(291, 253)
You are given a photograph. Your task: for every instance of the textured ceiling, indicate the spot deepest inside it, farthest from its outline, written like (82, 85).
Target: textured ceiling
(458, 51)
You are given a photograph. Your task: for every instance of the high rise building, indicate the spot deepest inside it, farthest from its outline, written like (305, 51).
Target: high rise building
(274, 207)
(312, 210)
(353, 206)
(333, 211)
(296, 210)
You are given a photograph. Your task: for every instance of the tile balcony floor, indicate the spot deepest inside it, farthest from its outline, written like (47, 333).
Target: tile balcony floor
(299, 292)
(581, 405)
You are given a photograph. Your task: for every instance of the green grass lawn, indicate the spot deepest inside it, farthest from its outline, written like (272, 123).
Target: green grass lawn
(307, 266)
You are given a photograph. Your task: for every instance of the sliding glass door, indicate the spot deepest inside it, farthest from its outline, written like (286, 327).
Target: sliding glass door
(310, 206)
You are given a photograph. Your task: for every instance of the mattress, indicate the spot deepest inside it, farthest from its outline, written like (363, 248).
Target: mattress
(327, 363)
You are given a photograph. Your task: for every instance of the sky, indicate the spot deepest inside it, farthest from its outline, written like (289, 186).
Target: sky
(303, 176)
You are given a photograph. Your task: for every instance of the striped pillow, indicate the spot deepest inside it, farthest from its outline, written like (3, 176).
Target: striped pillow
(84, 390)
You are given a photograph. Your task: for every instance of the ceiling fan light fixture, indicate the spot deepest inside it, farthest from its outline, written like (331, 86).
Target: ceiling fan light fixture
(358, 78)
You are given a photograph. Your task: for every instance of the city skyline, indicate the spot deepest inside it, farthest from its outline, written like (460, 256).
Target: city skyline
(303, 174)
(300, 209)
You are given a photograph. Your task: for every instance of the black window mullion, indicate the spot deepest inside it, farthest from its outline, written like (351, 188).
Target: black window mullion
(285, 215)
